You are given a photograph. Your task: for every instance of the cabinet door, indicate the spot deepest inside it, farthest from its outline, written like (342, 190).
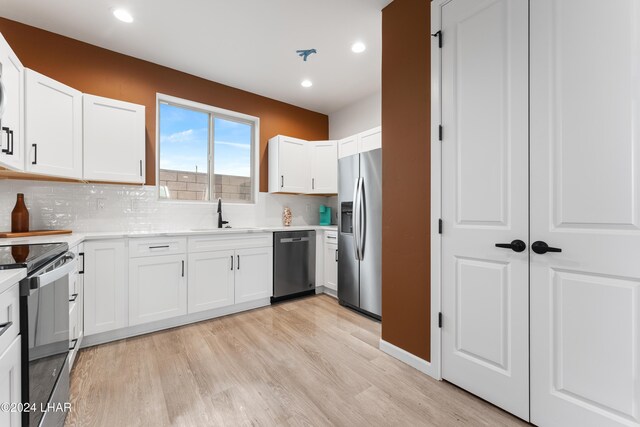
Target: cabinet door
(211, 280)
(12, 120)
(370, 140)
(53, 124)
(157, 288)
(10, 383)
(254, 274)
(105, 286)
(348, 146)
(324, 167)
(293, 165)
(331, 266)
(114, 140)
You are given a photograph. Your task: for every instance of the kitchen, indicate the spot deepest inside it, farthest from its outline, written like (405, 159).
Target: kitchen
(246, 216)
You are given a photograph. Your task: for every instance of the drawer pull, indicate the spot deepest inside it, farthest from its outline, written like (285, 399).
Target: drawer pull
(5, 327)
(73, 298)
(159, 247)
(74, 342)
(332, 237)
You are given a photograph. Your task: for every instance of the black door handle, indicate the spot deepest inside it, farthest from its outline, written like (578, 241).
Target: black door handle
(11, 149)
(35, 154)
(8, 149)
(515, 246)
(542, 248)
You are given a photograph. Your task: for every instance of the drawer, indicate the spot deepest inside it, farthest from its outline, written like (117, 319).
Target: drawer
(157, 246)
(9, 316)
(331, 237)
(229, 242)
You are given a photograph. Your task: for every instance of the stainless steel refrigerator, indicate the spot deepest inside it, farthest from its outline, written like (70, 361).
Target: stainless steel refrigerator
(360, 232)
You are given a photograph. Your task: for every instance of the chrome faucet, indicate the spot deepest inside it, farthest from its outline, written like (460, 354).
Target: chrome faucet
(221, 223)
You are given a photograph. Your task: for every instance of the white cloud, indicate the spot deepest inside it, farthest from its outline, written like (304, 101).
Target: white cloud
(234, 144)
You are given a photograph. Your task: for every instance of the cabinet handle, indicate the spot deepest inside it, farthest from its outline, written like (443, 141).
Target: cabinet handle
(35, 154)
(182, 268)
(5, 327)
(313, 183)
(232, 262)
(331, 237)
(73, 298)
(74, 342)
(336, 255)
(140, 167)
(82, 270)
(238, 262)
(6, 150)
(159, 247)
(11, 149)
(281, 181)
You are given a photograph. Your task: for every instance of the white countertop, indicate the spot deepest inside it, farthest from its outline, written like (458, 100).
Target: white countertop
(9, 278)
(76, 238)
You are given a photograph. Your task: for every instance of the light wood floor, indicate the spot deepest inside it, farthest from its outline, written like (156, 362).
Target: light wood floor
(304, 362)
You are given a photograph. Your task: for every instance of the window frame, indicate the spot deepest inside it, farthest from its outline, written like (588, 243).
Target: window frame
(214, 112)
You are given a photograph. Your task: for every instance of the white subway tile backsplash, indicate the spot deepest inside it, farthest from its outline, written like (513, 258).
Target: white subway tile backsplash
(94, 207)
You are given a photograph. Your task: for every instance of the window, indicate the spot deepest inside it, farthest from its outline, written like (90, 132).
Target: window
(205, 153)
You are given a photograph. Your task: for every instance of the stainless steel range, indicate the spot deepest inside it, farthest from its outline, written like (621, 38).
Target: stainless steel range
(44, 326)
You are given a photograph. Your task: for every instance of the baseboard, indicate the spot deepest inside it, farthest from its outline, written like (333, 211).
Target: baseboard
(327, 291)
(408, 358)
(132, 331)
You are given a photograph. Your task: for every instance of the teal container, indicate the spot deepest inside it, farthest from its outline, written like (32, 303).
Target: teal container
(325, 215)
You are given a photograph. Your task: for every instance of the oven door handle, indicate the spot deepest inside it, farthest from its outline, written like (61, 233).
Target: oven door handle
(68, 265)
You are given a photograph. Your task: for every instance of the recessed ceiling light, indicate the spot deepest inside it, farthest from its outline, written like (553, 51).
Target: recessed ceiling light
(123, 15)
(306, 83)
(358, 47)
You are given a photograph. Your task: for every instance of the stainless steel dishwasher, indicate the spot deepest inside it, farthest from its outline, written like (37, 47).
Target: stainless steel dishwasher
(294, 264)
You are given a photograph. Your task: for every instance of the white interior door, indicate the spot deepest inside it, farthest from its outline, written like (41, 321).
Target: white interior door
(485, 200)
(585, 195)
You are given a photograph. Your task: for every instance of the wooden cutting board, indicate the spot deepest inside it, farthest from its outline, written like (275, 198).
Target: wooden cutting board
(10, 235)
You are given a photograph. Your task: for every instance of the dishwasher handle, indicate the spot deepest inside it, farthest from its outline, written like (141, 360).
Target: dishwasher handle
(294, 239)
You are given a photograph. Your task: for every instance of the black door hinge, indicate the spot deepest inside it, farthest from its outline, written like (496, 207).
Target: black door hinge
(438, 34)
(440, 226)
(439, 320)
(440, 132)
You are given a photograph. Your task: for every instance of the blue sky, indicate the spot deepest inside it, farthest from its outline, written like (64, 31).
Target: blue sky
(184, 142)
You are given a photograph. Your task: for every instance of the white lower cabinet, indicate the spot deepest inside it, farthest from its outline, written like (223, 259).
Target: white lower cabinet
(157, 288)
(105, 286)
(331, 266)
(254, 274)
(137, 285)
(211, 280)
(10, 383)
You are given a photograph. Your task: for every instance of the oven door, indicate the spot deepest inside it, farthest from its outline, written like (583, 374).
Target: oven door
(45, 340)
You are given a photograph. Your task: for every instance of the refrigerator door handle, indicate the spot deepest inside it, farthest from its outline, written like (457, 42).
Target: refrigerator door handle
(356, 219)
(362, 220)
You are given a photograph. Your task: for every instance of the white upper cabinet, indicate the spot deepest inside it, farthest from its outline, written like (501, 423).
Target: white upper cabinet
(53, 124)
(370, 140)
(348, 146)
(288, 165)
(360, 143)
(324, 167)
(12, 103)
(114, 140)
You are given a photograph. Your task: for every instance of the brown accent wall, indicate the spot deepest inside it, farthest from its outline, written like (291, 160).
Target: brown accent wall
(102, 72)
(406, 171)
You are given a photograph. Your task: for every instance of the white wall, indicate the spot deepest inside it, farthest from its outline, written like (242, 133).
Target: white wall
(55, 205)
(359, 116)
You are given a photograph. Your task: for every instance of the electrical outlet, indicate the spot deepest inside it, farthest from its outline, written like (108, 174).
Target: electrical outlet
(100, 204)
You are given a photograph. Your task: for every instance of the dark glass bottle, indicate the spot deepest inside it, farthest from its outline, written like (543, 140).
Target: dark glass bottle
(20, 216)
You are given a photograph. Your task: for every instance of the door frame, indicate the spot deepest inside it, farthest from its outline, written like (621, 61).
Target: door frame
(436, 191)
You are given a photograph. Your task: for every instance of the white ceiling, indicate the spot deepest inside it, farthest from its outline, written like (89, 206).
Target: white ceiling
(248, 44)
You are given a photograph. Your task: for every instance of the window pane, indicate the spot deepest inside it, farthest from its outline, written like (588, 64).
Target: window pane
(184, 154)
(232, 160)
